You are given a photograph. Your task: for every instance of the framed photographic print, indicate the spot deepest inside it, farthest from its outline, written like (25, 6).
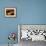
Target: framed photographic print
(33, 32)
(10, 12)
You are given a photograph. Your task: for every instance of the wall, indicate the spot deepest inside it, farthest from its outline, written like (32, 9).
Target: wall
(33, 12)
(28, 12)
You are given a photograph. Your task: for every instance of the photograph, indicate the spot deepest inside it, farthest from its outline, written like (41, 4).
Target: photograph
(31, 33)
(10, 12)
